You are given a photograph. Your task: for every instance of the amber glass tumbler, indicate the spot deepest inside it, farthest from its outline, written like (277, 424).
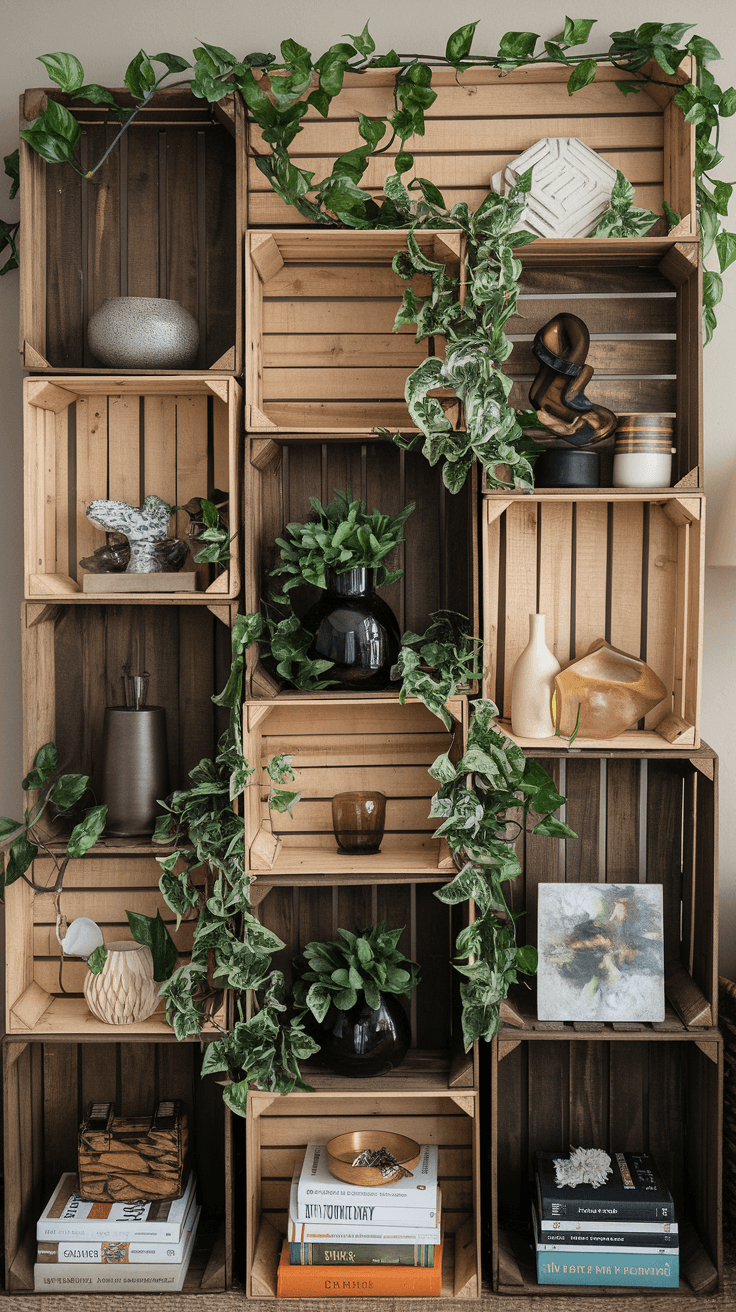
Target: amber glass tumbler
(358, 820)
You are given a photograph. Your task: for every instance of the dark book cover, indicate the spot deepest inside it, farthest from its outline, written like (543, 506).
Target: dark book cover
(337, 1254)
(634, 1192)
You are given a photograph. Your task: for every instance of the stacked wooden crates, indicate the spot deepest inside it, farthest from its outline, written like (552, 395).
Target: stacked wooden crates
(164, 216)
(322, 371)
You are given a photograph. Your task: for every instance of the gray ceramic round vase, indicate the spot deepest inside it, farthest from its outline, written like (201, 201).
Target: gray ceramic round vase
(143, 332)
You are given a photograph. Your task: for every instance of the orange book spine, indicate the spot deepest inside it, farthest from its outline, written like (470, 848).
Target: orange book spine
(358, 1281)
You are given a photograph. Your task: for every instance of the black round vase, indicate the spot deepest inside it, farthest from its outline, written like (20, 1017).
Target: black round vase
(355, 629)
(363, 1042)
(567, 467)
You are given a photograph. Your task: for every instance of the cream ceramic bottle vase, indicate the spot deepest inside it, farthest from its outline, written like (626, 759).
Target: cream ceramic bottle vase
(533, 685)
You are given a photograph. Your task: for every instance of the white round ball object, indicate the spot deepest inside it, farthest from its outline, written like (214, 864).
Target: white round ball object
(82, 937)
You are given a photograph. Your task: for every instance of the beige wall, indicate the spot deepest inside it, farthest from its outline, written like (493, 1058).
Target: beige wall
(106, 34)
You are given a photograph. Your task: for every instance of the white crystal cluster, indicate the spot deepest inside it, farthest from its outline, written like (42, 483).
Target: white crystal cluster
(584, 1166)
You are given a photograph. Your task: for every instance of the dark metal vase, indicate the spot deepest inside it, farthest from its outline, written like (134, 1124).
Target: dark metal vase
(355, 629)
(364, 1042)
(135, 768)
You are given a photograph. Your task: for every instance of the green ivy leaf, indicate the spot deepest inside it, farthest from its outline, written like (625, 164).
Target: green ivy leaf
(12, 170)
(65, 70)
(68, 790)
(139, 76)
(85, 834)
(518, 46)
(726, 248)
(582, 75)
(152, 933)
(576, 32)
(458, 45)
(364, 44)
(21, 855)
(174, 63)
(97, 960)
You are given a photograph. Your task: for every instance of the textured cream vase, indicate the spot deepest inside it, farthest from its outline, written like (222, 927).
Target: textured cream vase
(533, 685)
(125, 990)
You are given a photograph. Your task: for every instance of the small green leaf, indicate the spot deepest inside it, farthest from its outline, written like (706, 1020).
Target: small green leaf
(458, 45)
(139, 76)
(65, 70)
(12, 169)
(518, 46)
(68, 790)
(21, 855)
(726, 248)
(582, 75)
(174, 63)
(152, 933)
(97, 960)
(85, 834)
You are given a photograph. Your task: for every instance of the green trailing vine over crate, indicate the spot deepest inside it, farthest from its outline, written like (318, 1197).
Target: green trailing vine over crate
(484, 802)
(302, 82)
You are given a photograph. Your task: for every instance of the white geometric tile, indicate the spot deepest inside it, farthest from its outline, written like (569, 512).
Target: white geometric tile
(571, 187)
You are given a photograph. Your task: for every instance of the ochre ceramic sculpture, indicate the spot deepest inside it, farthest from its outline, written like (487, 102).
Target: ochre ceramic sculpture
(612, 689)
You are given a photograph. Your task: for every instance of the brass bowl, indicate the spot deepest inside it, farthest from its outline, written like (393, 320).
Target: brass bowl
(342, 1151)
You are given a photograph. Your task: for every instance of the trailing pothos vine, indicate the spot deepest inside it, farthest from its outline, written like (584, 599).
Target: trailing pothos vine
(484, 802)
(231, 949)
(297, 82)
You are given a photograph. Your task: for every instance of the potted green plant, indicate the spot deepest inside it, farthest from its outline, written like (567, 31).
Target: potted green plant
(343, 552)
(484, 802)
(351, 986)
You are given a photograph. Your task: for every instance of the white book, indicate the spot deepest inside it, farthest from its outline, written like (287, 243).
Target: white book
(317, 1185)
(82, 1277)
(308, 1232)
(601, 1227)
(117, 1250)
(67, 1216)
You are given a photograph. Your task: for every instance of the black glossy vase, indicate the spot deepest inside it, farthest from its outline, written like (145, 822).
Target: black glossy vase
(355, 629)
(363, 1042)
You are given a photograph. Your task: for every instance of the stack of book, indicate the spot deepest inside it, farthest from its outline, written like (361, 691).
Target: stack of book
(116, 1246)
(346, 1240)
(622, 1233)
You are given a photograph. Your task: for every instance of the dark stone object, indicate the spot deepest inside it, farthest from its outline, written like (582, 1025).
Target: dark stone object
(356, 630)
(135, 768)
(362, 1042)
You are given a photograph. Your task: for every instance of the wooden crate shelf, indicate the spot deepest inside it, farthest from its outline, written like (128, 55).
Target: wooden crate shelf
(41, 999)
(300, 915)
(639, 821)
(481, 120)
(47, 1088)
(664, 1098)
(73, 660)
(320, 307)
(439, 556)
(631, 572)
(163, 216)
(640, 299)
(337, 747)
(278, 1128)
(123, 438)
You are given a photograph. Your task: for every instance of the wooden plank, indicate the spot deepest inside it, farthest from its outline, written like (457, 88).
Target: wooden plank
(591, 551)
(520, 599)
(555, 576)
(91, 474)
(627, 539)
(583, 792)
(662, 585)
(622, 828)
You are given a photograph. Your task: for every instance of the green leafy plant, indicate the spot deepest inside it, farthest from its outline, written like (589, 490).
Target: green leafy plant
(342, 536)
(288, 642)
(475, 345)
(217, 536)
(23, 840)
(623, 218)
(484, 802)
(339, 972)
(435, 663)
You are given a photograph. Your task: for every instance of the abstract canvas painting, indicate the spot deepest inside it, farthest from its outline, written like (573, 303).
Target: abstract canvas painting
(601, 952)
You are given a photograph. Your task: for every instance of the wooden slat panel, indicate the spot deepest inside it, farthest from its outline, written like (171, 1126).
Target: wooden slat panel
(662, 582)
(664, 821)
(589, 1093)
(91, 479)
(521, 590)
(590, 574)
(516, 135)
(191, 466)
(622, 831)
(629, 1070)
(103, 225)
(626, 576)
(143, 207)
(555, 576)
(583, 792)
(541, 863)
(123, 446)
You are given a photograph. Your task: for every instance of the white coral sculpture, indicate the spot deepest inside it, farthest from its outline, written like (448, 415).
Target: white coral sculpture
(584, 1166)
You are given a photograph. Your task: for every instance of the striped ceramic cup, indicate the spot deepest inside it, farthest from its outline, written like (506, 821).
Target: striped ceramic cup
(643, 451)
